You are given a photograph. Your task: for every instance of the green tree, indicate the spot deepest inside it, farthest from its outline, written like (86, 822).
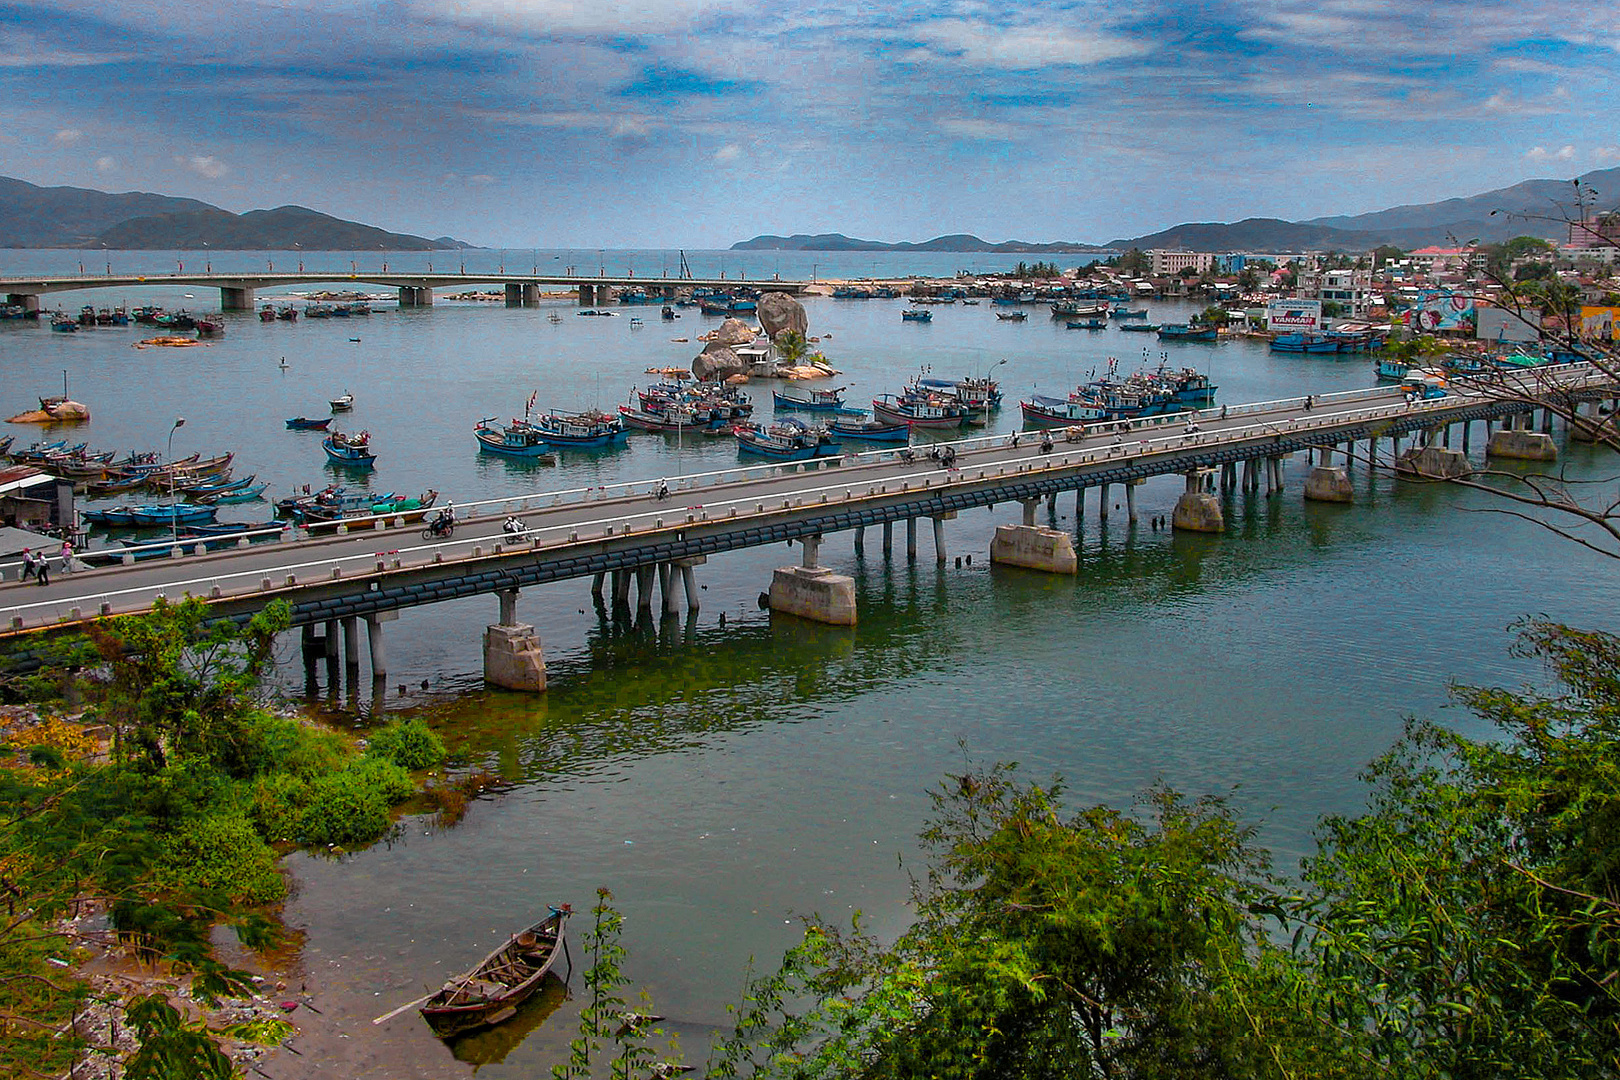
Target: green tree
(1384, 254)
(1468, 925)
(792, 346)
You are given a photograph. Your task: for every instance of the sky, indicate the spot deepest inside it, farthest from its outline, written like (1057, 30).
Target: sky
(699, 123)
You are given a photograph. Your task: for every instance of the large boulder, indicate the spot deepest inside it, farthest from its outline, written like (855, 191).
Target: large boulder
(779, 312)
(717, 362)
(731, 332)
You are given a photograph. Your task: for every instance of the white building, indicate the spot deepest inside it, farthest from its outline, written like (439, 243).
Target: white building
(1169, 263)
(1351, 289)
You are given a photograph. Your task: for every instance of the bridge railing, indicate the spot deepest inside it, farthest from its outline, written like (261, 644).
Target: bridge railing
(643, 518)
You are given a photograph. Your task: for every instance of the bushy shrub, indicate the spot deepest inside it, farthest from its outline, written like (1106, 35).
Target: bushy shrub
(307, 751)
(277, 807)
(344, 808)
(407, 743)
(223, 853)
(391, 781)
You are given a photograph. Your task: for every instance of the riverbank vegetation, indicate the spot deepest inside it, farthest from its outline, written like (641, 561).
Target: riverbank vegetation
(1466, 925)
(162, 813)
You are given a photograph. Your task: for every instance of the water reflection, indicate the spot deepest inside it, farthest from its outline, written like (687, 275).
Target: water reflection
(490, 1045)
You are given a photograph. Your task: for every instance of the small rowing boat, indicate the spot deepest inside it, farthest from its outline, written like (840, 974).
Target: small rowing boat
(492, 990)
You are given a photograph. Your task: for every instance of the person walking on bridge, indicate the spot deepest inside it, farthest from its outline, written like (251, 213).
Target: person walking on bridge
(28, 567)
(42, 569)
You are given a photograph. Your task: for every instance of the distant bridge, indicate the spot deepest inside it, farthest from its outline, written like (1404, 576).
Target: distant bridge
(236, 290)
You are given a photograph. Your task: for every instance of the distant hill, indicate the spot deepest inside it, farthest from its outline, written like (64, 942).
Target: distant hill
(1531, 208)
(956, 242)
(68, 217)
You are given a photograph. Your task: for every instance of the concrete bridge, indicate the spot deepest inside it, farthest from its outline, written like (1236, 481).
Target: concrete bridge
(237, 290)
(623, 537)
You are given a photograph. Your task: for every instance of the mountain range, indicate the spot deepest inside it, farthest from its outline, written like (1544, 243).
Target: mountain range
(1531, 208)
(68, 217)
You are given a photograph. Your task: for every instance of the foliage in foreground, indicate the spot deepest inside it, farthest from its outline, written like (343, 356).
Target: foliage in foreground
(1467, 925)
(180, 830)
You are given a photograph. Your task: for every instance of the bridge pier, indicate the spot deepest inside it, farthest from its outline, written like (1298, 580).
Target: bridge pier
(374, 639)
(1522, 446)
(415, 296)
(1130, 502)
(1198, 510)
(596, 585)
(939, 535)
(860, 539)
(814, 592)
(644, 587)
(351, 647)
(235, 299)
(514, 294)
(531, 296)
(621, 589)
(29, 302)
(666, 578)
(1079, 505)
(1034, 548)
(911, 539)
(1102, 503)
(1327, 482)
(888, 538)
(687, 567)
(513, 659)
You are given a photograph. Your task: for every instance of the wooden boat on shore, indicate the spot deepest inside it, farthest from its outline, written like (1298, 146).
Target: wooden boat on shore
(493, 989)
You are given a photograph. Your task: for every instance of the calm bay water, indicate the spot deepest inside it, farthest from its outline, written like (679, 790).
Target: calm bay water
(723, 777)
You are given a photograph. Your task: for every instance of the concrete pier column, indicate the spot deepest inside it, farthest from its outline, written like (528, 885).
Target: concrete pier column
(415, 296)
(621, 588)
(1329, 483)
(513, 658)
(26, 301)
(351, 643)
(1522, 446)
(860, 539)
(514, 294)
(374, 641)
(1546, 421)
(1102, 501)
(1229, 476)
(587, 295)
(531, 296)
(911, 539)
(1277, 473)
(1198, 510)
(1079, 505)
(644, 587)
(1130, 503)
(669, 587)
(331, 639)
(1051, 503)
(888, 538)
(235, 299)
(810, 548)
(1029, 511)
(939, 540)
(1466, 424)
(689, 577)
(508, 599)
(1034, 548)
(1251, 479)
(596, 585)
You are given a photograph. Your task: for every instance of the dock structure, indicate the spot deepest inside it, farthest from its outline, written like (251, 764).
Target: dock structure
(625, 535)
(238, 291)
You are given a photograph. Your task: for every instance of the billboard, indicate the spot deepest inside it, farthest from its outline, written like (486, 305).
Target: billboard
(1499, 324)
(1293, 315)
(1441, 309)
(1598, 323)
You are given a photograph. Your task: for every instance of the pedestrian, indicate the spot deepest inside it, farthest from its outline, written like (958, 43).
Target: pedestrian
(28, 564)
(42, 569)
(67, 556)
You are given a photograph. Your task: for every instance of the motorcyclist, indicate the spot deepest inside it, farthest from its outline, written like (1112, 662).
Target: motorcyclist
(947, 457)
(445, 520)
(512, 525)
(663, 490)
(1046, 442)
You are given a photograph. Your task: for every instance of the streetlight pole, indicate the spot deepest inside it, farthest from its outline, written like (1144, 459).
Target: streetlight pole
(168, 459)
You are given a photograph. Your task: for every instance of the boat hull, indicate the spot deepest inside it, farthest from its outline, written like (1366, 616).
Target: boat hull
(464, 1006)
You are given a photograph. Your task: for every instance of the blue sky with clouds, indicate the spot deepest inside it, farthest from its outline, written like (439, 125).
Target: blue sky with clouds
(696, 123)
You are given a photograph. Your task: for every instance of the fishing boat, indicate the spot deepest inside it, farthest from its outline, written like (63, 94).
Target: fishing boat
(343, 403)
(304, 423)
(287, 313)
(1140, 328)
(1392, 369)
(914, 315)
(676, 417)
(325, 517)
(922, 411)
(519, 439)
(1128, 313)
(1042, 411)
(870, 430)
(977, 395)
(64, 323)
(210, 326)
(1184, 332)
(214, 485)
(112, 517)
(1089, 324)
(252, 493)
(1012, 316)
(1078, 309)
(498, 984)
(1304, 343)
(786, 440)
(267, 313)
(168, 514)
(810, 400)
(584, 430)
(352, 450)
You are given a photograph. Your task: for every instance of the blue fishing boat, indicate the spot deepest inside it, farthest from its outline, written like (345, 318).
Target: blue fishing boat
(916, 316)
(1140, 328)
(1088, 324)
(1392, 370)
(1184, 332)
(1012, 316)
(519, 439)
(235, 495)
(351, 450)
(1128, 313)
(1305, 343)
(870, 430)
(920, 409)
(849, 292)
(786, 440)
(580, 431)
(64, 323)
(675, 417)
(165, 515)
(113, 517)
(304, 423)
(1043, 411)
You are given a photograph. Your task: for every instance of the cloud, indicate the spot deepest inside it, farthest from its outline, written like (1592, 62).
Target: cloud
(481, 180)
(1541, 153)
(728, 152)
(665, 82)
(207, 166)
(106, 164)
(67, 136)
(1024, 48)
(1606, 153)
